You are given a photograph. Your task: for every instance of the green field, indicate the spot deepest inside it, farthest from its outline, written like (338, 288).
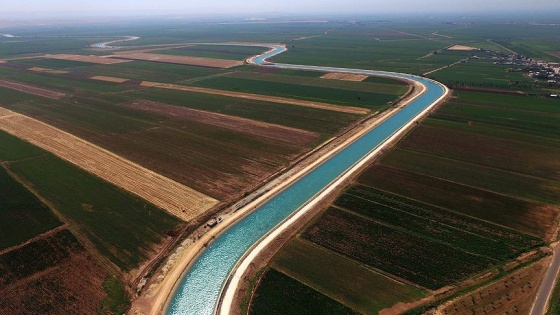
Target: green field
(323, 121)
(214, 51)
(371, 100)
(424, 261)
(504, 182)
(22, 216)
(459, 231)
(526, 118)
(44, 45)
(150, 71)
(342, 279)
(554, 301)
(280, 294)
(370, 84)
(121, 226)
(53, 63)
(68, 83)
(12, 148)
(482, 73)
(527, 217)
(351, 47)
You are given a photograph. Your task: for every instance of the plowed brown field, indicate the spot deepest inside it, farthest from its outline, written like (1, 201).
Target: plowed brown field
(31, 89)
(249, 126)
(177, 199)
(181, 60)
(63, 282)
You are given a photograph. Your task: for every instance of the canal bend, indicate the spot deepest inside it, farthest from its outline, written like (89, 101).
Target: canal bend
(201, 287)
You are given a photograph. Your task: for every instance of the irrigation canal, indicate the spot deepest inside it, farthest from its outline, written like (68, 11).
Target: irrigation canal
(201, 286)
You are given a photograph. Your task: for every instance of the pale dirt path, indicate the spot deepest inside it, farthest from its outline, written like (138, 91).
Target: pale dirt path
(547, 285)
(444, 67)
(175, 198)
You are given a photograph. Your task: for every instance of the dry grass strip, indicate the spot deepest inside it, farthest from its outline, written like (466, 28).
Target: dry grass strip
(177, 199)
(108, 79)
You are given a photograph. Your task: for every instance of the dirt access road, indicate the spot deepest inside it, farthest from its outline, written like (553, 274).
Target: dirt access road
(547, 285)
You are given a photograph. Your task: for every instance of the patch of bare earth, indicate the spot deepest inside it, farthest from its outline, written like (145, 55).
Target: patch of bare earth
(345, 76)
(258, 97)
(177, 199)
(181, 60)
(461, 48)
(31, 89)
(513, 294)
(248, 126)
(554, 53)
(46, 70)
(87, 58)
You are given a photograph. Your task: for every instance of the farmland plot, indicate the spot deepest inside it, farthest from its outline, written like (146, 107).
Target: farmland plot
(181, 60)
(54, 275)
(280, 294)
(177, 199)
(427, 262)
(357, 287)
(528, 217)
(22, 216)
(31, 89)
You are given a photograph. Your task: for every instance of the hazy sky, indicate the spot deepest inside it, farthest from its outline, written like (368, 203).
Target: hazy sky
(131, 7)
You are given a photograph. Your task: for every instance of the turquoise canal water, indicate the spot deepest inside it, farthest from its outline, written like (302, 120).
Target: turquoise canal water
(200, 288)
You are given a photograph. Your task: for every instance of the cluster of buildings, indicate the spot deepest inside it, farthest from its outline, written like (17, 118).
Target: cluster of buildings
(549, 71)
(541, 71)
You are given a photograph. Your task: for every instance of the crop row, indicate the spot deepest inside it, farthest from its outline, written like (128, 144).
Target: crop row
(426, 228)
(71, 286)
(512, 240)
(418, 259)
(502, 182)
(357, 287)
